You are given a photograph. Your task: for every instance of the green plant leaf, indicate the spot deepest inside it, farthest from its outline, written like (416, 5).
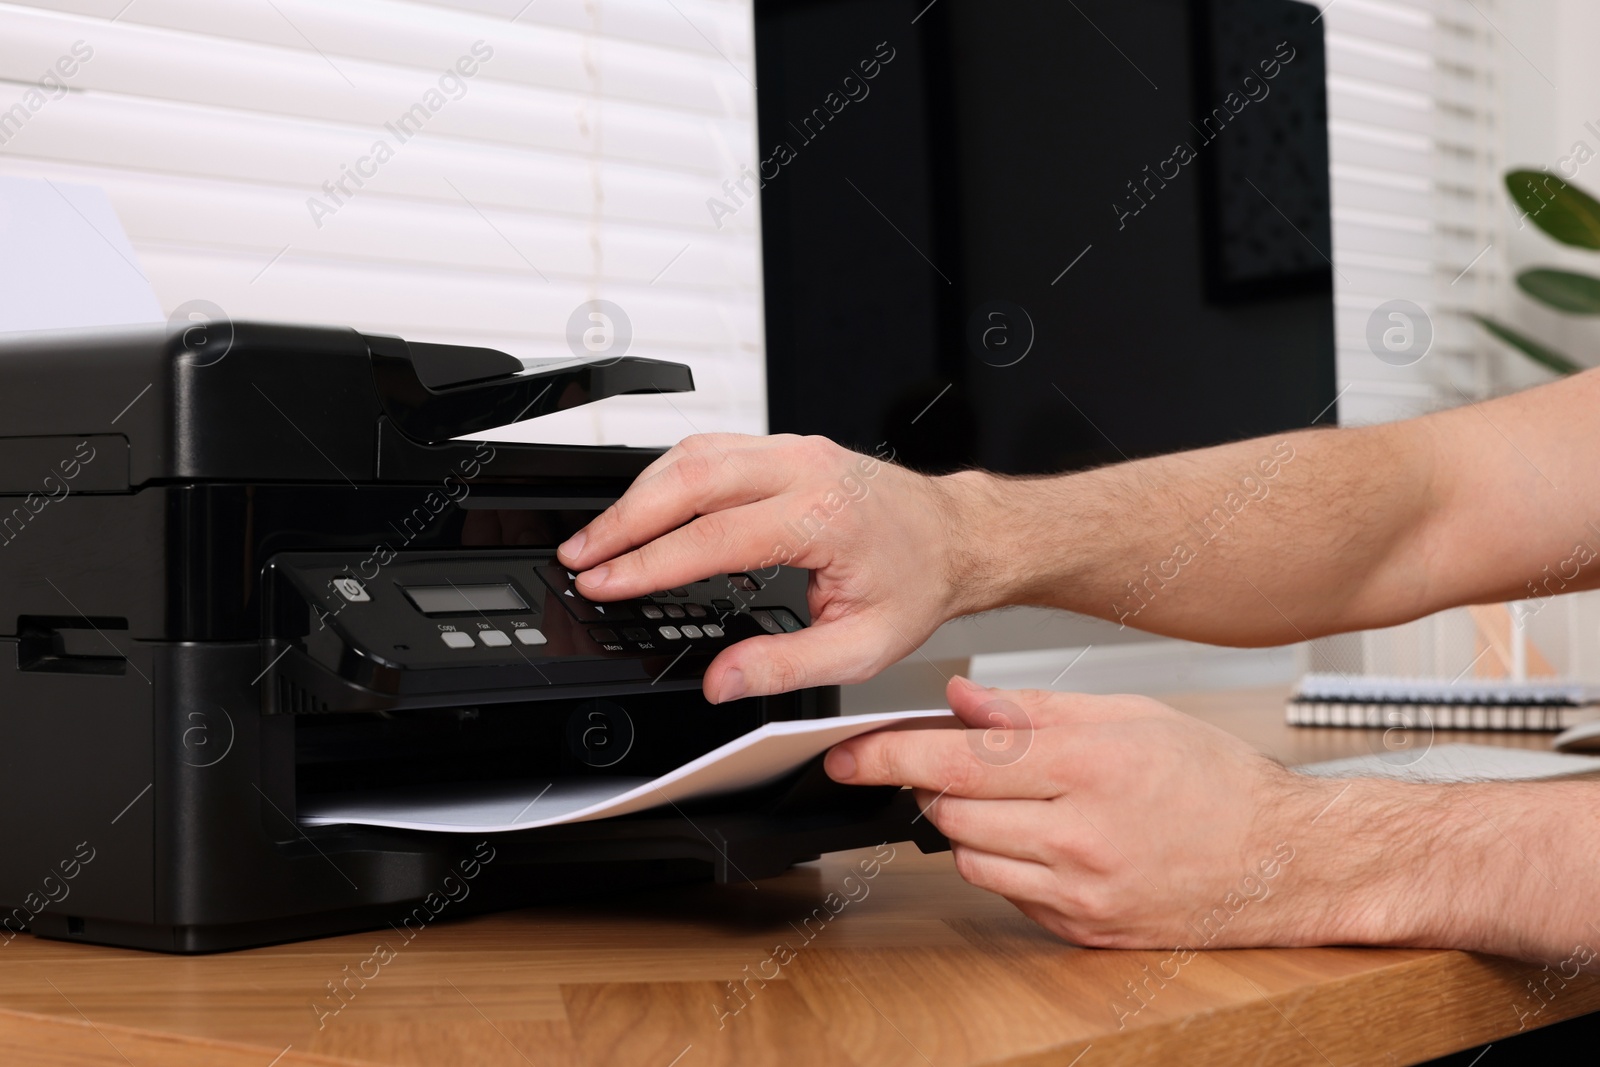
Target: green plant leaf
(1563, 290)
(1565, 212)
(1532, 349)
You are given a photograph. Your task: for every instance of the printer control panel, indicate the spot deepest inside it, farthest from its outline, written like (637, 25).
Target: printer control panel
(432, 611)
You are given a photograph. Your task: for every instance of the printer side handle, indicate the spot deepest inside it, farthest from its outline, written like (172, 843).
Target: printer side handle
(481, 389)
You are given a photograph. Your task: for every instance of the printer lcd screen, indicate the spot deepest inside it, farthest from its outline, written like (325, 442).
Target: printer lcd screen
(464, 599)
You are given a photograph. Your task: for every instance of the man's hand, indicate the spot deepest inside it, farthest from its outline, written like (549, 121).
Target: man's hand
(1115, 821)
(1119, 822)
(886, 549)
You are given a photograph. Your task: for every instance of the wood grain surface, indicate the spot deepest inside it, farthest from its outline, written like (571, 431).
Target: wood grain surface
(917, 968)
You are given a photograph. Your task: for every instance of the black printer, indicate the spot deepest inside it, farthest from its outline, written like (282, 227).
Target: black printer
(243, 565)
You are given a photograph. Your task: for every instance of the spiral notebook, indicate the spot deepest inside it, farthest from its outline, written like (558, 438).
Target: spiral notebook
(1476, 704)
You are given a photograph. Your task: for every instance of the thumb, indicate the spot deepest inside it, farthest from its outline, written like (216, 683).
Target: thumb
(982, 708)
(829, 653)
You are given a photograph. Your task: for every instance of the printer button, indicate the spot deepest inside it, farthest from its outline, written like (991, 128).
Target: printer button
(494, 638)
(604, 637)
(530, 636)
(650, 611)
(636, 633)
(584, 610)
(351, 590)
(788, 620)
(456, 639)
(678, 591)
(721, 606)
(696, 611)
(711, 629)
(671, 633)
(674, 611)
(556, 577)
(690, 630)
(777, 620)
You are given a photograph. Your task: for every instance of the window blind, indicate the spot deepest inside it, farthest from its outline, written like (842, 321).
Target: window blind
(1415, 100)
(467, 171)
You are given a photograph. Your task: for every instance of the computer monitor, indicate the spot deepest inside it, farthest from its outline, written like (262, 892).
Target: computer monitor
(1047, 235)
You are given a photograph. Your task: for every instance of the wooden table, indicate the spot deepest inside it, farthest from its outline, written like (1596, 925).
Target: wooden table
(922, 970)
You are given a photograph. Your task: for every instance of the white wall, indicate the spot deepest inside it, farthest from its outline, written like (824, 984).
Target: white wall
(1552, 101)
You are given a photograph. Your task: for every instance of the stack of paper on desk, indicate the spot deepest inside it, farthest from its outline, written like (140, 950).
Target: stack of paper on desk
(763, 755)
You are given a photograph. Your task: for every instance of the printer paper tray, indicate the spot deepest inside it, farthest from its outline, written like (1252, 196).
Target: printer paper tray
(755, 834)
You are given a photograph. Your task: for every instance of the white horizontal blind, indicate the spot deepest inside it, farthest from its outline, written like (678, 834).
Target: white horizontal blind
(1415, 99)
(574, 163)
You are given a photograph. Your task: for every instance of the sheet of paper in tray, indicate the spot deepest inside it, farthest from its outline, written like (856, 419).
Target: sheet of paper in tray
(760, 756)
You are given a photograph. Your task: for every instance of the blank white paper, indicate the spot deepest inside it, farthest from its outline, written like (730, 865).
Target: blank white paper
(65, 260)
(761, 756)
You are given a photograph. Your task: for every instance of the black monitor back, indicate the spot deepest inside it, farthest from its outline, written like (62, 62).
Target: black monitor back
(1042, 236)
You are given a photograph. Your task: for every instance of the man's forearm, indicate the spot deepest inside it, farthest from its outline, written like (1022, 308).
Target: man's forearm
(1266, 541)
(1308, 533)
(1504, 868)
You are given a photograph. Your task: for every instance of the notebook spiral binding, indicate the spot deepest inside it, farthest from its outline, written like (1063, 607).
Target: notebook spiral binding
(1420, 704)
